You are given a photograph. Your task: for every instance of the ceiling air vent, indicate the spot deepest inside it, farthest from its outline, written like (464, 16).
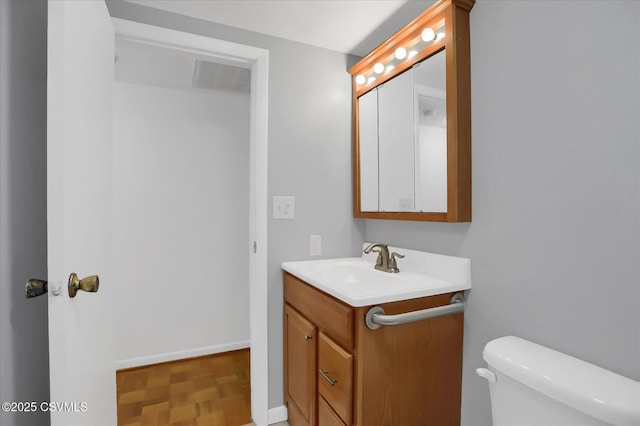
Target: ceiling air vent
(215, 76)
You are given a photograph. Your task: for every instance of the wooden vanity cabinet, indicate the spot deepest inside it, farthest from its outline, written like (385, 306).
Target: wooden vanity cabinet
(408, 374)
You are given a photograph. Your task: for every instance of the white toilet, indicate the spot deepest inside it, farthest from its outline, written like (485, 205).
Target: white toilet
(532, 385)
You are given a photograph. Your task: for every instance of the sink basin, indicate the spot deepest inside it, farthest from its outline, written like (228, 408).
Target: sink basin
(355, 281)
(349, 270)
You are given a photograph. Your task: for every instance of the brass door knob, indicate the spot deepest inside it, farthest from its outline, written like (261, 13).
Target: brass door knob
(34, 288)
(89, 284)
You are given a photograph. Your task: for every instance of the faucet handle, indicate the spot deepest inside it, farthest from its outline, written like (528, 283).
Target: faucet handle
(393, 266)
(375, 248)
(379, 259)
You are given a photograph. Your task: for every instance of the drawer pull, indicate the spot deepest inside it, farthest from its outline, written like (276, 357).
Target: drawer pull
(327, 378)
(307, 337)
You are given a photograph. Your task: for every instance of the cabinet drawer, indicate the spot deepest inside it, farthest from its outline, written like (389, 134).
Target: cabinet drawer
(331, 316)
(326, 415)
(335, 377)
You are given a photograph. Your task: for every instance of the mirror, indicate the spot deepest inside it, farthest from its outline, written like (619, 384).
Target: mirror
(412, 121)
(403, 141)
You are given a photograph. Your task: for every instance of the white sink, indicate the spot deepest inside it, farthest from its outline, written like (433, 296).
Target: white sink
(354, 280)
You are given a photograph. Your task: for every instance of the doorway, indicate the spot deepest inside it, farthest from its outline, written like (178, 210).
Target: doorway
(207, 54)
(181, 205)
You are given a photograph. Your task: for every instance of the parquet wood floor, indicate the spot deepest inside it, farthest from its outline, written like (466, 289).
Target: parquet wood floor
(206, 391)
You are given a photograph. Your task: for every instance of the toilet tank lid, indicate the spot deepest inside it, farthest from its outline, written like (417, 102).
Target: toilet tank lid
(593, 390)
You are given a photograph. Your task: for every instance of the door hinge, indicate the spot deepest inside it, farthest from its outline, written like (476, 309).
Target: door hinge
(255, 247)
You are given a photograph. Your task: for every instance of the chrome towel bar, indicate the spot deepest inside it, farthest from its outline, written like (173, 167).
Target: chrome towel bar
(376, 318)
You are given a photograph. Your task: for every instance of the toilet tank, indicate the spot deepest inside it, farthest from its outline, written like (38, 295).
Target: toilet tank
(532, 385)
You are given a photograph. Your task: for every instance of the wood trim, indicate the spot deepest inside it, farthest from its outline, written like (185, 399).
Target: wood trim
(428, 51)
(410, 31)
(420, 216)
(460, 207)
(356, 156)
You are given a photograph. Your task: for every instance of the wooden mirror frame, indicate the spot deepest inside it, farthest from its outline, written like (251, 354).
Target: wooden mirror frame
(454, 14)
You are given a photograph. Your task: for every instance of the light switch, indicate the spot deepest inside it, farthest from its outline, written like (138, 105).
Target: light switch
(284, 207)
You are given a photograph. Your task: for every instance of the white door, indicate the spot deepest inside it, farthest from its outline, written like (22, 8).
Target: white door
(79, 200)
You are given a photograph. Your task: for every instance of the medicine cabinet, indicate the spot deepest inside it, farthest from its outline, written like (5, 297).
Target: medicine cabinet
(412, 121)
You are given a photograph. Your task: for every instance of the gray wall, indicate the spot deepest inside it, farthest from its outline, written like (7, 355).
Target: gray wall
(554, 239)
(309, 153)
(24, 363)
(555, 231)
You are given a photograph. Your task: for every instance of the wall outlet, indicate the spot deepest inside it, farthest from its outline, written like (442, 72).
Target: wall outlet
(315, 245)
(284, 207)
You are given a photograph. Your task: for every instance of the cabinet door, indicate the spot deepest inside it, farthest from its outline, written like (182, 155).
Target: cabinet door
(300, 365)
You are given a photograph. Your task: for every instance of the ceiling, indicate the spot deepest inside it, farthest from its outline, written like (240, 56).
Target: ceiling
(348, 26)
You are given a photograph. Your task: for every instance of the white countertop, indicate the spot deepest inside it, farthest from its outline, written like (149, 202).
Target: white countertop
(355, 281)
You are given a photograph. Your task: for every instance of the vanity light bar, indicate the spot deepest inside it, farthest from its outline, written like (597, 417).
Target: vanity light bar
(428, 36)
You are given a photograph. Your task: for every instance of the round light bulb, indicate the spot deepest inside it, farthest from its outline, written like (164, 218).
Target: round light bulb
(428, 34)
(360, 79)
(401, 53)
(378, 68)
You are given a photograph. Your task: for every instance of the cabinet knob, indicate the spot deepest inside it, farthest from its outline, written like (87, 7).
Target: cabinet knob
(307, 337)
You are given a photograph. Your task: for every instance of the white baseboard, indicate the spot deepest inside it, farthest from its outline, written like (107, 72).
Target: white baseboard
(277, 414)
(174, 356)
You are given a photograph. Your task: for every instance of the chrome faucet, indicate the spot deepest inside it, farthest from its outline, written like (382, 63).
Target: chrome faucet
(384, 263)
